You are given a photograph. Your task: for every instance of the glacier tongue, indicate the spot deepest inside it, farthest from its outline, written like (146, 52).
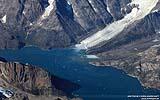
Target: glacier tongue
(110, 31)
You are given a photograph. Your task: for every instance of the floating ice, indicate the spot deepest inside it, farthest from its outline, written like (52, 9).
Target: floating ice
(91, 56)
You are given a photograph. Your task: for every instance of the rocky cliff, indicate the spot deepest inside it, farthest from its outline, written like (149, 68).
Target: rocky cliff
(30, 79)
(28, 82)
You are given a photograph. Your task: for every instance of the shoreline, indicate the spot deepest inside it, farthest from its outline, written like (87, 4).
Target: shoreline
(131, 75)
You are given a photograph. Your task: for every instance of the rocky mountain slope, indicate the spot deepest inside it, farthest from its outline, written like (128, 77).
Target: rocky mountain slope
(55, 23)
(135, 50)
(63, 23)
(139, 59)
(28, 82)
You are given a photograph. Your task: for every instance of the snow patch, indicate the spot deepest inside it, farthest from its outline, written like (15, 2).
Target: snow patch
(94, 8)
(108, 9)
(31, 24)
(156, 40)
(137, 13)
(156, 46)
(157, 31)
(155, 11)
(24, 12)
(90, 1)
(4, 19)
(7, 93)
(69, 2)
(48, 10)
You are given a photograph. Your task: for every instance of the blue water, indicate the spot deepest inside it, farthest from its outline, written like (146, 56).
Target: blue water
(94, 83)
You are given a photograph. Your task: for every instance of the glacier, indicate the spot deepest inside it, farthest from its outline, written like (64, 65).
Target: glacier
(112, 30)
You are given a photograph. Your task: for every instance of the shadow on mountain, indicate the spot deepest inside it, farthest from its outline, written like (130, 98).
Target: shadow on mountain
(66, 86)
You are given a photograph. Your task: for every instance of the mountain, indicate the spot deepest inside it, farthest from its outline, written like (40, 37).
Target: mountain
(62, 23)
(122, 33)
(139, 10)
(29, 82)
(56, 23)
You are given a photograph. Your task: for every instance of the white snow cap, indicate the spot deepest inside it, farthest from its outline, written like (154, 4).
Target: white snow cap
(110, 31)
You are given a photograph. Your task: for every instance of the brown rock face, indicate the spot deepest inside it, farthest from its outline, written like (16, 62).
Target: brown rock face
(31, 82)
(144, 65)
(27, 78)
